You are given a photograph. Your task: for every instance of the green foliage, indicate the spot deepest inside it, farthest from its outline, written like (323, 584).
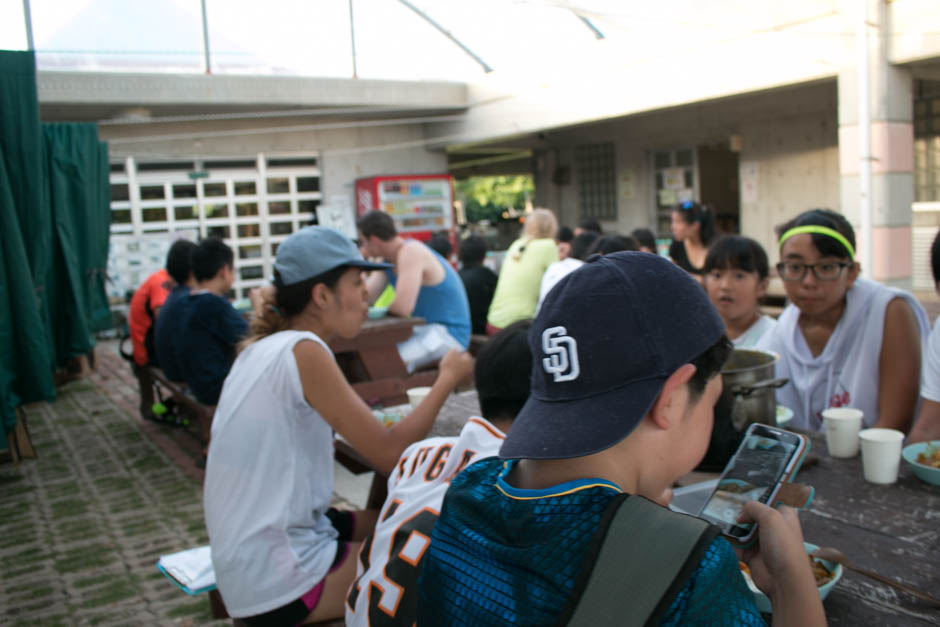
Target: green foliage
(487, 197)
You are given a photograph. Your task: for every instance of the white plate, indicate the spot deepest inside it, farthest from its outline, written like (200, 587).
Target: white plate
(784, 415)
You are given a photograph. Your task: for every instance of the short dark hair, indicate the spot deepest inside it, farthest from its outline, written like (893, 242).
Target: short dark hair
(738, 253)
(377, 223)
(210, 256)
(935, 258)
(581, 245)
(827, 246)
(179, 260)
(692, 212)
(564, 234)
(590, 224)
(709, 364)
(502, 373)
(440, 243)
(472, 251)
(644, 238)
(613, 243)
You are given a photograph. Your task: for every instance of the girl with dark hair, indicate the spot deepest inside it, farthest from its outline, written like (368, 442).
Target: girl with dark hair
(281, 555)
(842, 340)
(693, 228)
(736, 279)
(646, 240)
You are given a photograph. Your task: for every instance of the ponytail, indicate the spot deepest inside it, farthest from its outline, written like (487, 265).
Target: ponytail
(706, 229)
(268, 322)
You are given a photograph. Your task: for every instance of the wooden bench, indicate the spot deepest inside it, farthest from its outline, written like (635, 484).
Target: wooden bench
(180, 393)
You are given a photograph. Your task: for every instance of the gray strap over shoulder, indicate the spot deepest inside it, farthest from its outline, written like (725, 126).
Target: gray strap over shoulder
(647, 552)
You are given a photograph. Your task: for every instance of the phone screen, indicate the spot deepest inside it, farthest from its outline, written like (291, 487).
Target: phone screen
(766, 455)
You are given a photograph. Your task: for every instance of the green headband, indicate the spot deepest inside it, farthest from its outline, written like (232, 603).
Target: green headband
(821, 230)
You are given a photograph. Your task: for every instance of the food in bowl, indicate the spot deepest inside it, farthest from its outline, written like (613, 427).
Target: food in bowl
(822, 574)
(827, 574)
(922, 458)
(929, 457)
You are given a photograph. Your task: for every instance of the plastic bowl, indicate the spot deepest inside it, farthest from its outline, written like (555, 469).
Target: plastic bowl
(925, 473)
(377, 312)
(763, 603)
(387, 418)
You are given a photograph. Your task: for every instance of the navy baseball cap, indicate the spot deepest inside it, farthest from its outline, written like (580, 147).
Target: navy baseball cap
(607, 337)
(313, 250)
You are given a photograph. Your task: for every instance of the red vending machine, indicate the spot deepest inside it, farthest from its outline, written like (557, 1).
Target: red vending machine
(420, 204)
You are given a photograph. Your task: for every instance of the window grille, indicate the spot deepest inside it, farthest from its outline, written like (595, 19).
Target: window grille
(597, 181)
(253, 204)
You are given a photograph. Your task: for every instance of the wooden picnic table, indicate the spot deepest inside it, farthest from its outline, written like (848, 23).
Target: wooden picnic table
(372, 364)
(893, 530)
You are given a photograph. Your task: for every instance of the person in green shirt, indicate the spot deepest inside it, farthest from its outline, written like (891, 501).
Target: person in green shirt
(520, 277)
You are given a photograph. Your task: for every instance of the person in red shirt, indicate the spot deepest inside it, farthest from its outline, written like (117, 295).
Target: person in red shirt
(144, 308)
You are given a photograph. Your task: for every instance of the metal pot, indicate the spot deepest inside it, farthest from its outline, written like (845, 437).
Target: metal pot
(747, 396)
(748, 378)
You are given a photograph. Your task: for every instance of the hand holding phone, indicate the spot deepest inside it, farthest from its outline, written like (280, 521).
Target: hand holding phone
(766, 457)
(779, 566)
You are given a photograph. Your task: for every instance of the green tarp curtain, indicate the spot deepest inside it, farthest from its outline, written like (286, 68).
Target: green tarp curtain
(54, 222)
(26, 348)
(77, 174)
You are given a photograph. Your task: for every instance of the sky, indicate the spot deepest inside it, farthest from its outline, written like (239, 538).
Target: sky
(530, 40)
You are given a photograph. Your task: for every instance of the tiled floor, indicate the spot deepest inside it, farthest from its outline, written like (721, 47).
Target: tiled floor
(83, 524)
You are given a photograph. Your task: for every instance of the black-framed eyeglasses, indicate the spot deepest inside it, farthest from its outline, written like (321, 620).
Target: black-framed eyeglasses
(825, 271)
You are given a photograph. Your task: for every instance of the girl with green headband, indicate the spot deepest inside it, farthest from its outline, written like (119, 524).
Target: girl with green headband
(842, 340)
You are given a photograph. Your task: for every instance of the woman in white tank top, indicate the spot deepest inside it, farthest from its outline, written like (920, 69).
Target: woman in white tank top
(276, 549)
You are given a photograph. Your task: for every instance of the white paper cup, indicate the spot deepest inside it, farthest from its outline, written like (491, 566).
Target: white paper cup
(842, 427)
(416, 395)
(881, 454)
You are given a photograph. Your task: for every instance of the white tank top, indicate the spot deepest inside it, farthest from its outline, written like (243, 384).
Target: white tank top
(847, 372)
(269, 481)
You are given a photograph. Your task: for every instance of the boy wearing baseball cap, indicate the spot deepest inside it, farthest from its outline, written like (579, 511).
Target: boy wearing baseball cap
(626, 355)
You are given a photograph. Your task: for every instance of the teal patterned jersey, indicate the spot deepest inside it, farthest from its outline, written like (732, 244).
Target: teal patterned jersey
(500, 555)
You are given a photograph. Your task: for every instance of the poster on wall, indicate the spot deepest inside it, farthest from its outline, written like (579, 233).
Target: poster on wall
(673, 178)
(627, 184)
(337, 213)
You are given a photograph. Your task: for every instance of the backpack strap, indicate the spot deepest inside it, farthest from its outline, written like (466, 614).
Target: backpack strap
(642, 556)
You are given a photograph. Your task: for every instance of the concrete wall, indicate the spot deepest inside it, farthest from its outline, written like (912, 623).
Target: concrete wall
(790, 135)
(345, 154)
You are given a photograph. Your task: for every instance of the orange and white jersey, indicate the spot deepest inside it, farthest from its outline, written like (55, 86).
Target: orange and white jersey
(385, 591)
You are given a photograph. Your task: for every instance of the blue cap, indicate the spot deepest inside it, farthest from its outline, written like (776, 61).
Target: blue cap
(607, 337)
(313, 250)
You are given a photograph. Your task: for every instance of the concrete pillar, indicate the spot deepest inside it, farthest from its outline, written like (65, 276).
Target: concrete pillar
(892, 148)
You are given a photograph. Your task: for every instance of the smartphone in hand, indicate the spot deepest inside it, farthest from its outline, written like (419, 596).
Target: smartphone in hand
(766, 457)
